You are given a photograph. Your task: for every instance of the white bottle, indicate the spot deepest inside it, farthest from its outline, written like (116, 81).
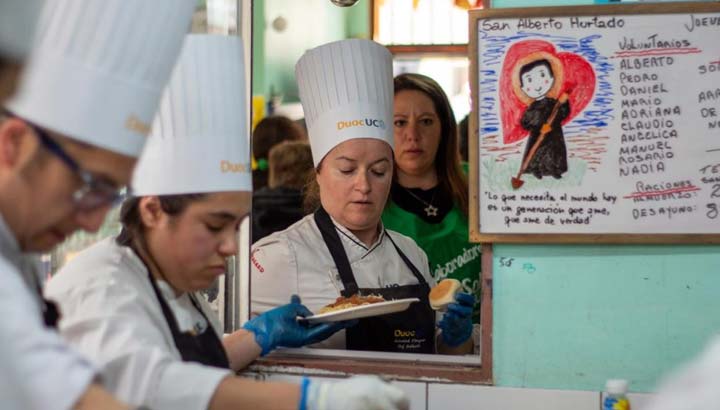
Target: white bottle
(616, 395)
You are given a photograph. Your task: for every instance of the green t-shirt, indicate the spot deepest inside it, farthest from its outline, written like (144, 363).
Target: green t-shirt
(446, 244)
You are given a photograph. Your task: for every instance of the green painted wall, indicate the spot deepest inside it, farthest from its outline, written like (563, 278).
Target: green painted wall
(258, 47)
(570, 317)
(309, 23)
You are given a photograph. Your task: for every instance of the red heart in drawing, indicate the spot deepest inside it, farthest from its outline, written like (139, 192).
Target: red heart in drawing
(577, 79)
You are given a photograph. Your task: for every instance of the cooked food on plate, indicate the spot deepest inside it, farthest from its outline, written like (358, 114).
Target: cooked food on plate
(350, 302)
(444, 293)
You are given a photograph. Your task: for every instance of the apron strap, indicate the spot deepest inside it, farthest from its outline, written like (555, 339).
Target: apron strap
(169, 315)
(334, 245)
(407, 261)
(50, 311)
(167, 312)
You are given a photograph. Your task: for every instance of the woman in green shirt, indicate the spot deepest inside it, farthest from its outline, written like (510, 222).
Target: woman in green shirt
(429, 195)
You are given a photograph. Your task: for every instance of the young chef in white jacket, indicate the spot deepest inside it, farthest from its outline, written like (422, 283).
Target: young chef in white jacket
(132, 303)
(75, 126)
(346, 90)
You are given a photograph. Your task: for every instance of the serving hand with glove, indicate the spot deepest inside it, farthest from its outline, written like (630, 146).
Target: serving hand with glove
(456, 324)
(281, 327)
(277, 327)
(356, 393)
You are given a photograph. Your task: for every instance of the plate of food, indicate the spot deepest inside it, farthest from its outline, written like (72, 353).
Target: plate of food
(357, 307)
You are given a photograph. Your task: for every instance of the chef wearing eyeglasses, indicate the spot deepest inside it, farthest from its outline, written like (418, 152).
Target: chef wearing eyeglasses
(69, 138)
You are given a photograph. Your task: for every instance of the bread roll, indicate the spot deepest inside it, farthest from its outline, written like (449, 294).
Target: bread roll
(444, 293)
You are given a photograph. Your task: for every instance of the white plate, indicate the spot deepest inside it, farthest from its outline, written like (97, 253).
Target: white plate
(357, 312)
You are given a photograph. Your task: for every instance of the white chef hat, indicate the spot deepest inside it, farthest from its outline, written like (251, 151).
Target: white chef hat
(346, 90)
(199, 139)
(97, 68)
(17, 26)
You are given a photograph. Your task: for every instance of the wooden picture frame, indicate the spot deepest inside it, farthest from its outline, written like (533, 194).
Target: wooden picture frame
(476, 233)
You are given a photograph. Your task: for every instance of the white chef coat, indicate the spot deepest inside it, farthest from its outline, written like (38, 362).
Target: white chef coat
(38, 370)
(297, 261)
(111, 313)
(694, 386)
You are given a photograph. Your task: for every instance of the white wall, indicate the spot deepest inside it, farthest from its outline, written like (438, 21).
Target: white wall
(436, 396)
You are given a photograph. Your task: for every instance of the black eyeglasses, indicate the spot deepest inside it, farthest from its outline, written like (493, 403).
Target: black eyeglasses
(95, 192)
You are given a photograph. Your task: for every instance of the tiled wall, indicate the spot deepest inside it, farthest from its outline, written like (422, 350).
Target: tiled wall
(433, 396)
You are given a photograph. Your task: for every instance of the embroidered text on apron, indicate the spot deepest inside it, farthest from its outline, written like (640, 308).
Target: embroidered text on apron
(410, 331)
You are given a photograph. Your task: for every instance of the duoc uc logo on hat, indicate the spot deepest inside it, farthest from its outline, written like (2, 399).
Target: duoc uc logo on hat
(97, 68)
(346, 91)
(199, 141)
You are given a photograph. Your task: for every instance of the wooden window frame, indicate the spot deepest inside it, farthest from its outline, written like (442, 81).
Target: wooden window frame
(434, 49)
(418, 371)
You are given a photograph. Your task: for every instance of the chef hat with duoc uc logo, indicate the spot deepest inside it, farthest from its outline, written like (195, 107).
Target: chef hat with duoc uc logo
(97, 69)
(199, 141)
(346, 91)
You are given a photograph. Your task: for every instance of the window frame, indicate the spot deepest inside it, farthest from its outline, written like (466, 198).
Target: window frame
(295, 362)
(454, 50)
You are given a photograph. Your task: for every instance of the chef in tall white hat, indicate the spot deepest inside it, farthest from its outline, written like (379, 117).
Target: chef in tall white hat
(17, 27)
(132, 302)
(68, 142)
(342, 249)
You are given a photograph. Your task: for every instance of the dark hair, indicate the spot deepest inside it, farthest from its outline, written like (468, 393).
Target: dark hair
(463, 135)
(289, 163)
(132, 227)
(269, 132)
(529, 66)
(451, 178)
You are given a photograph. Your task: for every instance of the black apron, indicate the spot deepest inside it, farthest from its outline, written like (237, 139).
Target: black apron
(410, 331)
(51, 313)
(205, 348)
(50, 310)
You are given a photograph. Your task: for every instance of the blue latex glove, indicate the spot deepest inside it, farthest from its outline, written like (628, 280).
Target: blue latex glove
(280, 327)
(456, 324)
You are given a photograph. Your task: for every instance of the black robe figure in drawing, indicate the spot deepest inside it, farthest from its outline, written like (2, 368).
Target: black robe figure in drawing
(550, 158)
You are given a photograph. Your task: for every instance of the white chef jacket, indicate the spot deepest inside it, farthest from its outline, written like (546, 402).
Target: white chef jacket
(297, 261)
(694, 386)
(38, 370)
(111, 313)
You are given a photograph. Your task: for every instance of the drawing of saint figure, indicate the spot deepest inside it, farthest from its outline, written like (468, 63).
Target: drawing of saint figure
(537, 81)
